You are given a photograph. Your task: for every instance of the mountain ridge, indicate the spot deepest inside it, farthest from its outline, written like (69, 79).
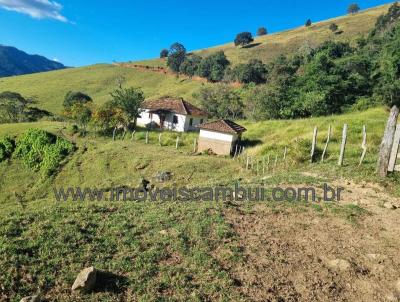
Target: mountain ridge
(14, 61)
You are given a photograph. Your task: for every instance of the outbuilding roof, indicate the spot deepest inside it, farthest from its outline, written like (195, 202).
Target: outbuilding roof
(226, 126)
(175, 105)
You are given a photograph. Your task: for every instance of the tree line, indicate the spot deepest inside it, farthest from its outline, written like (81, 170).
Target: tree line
(331, 78)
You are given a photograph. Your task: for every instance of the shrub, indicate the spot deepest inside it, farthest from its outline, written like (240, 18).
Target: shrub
(308, 23)
(7, 146)
(42, 151)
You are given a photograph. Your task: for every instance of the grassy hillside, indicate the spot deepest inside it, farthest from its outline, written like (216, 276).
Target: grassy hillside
(98, 81)
(268, 47)
(198, 251)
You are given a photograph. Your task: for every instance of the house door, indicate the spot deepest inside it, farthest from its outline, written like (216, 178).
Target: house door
(162, 120)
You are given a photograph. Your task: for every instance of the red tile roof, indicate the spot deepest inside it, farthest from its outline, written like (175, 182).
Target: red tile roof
(175, 105)
(226, 126)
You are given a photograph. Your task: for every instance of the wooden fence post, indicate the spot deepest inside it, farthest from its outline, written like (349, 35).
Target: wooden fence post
(133, 133)
(387, 142)
(314, 142)
(147, 137)
(247, 163)
(343, 146)
(395, 150)
(159, 139)
(326, 144)
(194, 145)
(177, 142)
(236, 152)
(263, 165)
(363, 144)
(257, 165)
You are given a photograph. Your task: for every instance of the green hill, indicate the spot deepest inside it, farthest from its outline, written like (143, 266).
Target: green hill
(99, 80)
(268, 47)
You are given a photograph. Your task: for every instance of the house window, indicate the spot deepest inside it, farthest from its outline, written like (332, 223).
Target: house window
(201, 121)
(175, 119)
(191, 122)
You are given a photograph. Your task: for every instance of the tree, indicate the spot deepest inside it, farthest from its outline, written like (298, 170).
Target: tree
(190, 65)
(213, 67)
(221, 101)
(177, 54)
(308, 23)
(353, 8)
(164, 53)
(129, 101)
(13, 107)
(262, 31)
(252, 72)
(333, 27)
(81, 114)
(73, 97)
(243, 38)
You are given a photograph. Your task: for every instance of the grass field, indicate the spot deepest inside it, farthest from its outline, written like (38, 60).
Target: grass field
(97, 81)
(171, 251)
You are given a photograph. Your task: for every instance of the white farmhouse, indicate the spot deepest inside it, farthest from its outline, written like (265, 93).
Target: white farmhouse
(172, 114)
(220, 136)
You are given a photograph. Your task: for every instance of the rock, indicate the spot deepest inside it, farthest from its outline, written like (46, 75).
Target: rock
(389, 205)
(34, 298)
(398, 286)
(163, 232)
(86, 279)
(340, 264)
(163, 176)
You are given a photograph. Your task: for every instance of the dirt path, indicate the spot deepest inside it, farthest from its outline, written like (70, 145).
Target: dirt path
(300, 254)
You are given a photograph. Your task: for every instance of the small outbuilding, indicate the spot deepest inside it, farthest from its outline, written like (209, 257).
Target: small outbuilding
(221, 137)
(169, 113)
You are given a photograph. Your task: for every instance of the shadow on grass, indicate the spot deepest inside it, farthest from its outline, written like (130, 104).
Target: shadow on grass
(251, 45)
(250, 142)
(109, 282)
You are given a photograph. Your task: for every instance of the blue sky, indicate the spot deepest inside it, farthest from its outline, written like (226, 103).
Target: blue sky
(83, 32)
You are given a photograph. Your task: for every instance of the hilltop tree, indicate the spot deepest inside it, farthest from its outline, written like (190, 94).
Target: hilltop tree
(243, 38)
(308, 23)
(262, 31)
(333, 27)
(353, 8)
(164, 53)
(213, 67)
(177, 54)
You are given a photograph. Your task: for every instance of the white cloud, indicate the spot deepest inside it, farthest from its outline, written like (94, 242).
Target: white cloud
(38, 9)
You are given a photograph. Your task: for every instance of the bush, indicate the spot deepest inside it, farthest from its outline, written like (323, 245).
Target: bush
(42, 151)
(7, 146)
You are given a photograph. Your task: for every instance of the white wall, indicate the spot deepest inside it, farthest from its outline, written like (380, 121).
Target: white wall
(195, 121)
(226, 137)
(183, 121)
